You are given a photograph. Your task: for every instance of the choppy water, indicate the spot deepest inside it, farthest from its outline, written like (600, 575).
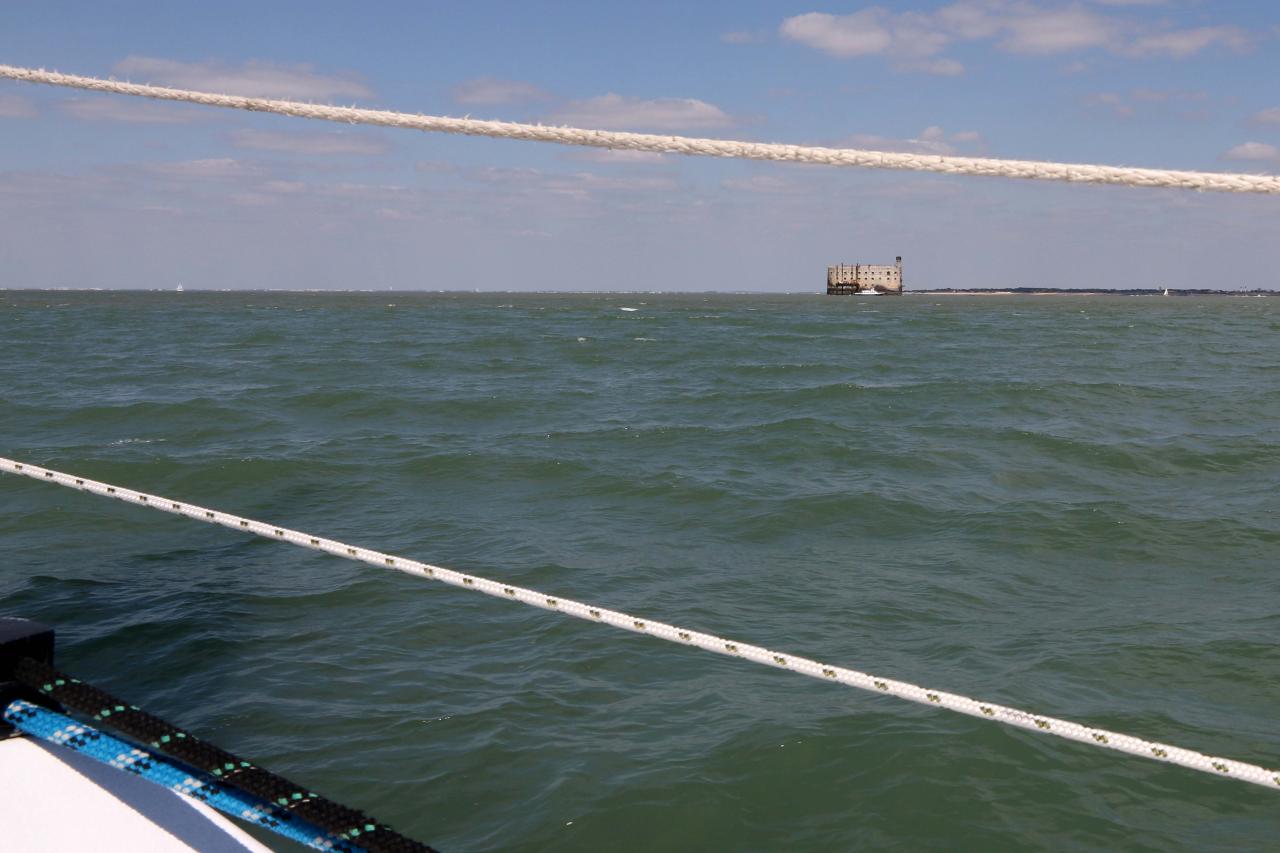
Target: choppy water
(1066, 504)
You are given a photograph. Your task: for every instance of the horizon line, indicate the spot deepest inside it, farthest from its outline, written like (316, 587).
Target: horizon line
(1013, 291)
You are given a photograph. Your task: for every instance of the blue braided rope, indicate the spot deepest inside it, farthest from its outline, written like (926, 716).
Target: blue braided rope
(86, 740)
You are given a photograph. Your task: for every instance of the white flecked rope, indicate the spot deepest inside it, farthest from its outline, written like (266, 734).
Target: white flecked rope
(947, 164)
(1224, 767)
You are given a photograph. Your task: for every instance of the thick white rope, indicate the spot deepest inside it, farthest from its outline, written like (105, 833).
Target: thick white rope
(1074, 173)
(1224, 767)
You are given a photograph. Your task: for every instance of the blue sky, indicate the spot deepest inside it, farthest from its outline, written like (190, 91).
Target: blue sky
(104, 191)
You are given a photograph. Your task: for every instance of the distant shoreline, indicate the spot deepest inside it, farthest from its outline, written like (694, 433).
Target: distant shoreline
(1071, 291)
(941, 291)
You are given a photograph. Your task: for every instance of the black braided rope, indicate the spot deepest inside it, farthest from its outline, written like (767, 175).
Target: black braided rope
(108, 711)
(266, 815)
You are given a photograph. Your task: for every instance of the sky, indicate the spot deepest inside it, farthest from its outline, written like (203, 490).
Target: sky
(114, 192)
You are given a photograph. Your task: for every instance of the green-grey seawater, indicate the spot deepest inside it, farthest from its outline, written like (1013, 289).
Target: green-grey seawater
(1064, 504)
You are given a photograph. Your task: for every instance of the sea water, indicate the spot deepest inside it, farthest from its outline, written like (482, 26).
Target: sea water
(1064, 504)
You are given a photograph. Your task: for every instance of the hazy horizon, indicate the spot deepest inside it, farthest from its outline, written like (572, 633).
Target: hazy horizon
(406, 290)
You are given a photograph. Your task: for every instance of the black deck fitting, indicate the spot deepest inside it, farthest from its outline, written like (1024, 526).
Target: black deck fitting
(21, 638)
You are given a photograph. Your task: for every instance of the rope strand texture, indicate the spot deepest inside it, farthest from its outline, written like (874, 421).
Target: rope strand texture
(1224, 767)
(693, 146)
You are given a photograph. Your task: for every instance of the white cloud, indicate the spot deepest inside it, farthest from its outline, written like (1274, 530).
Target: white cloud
(15, 106)
(1111, 101)
(577, 186)
(1254, 151)
(591, 182)
(251, 79)
(252, 199)
(131, 110)
(912, 41)
(351, 191)
(970, 20)
(860, 34)
(576, 181)
(1186, 104)
(335, 142)
(1267, 116)
(943, 67)
(491, 90)
(771, 184)
(617, 157)
(214, 168)
(1046, 31)
(621, 113)
(1180, 44)
(931, 140)
(506, 175)
(395, 214)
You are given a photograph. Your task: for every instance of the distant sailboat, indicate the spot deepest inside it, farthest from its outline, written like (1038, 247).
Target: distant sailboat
(179, 288)
(1166, 291)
